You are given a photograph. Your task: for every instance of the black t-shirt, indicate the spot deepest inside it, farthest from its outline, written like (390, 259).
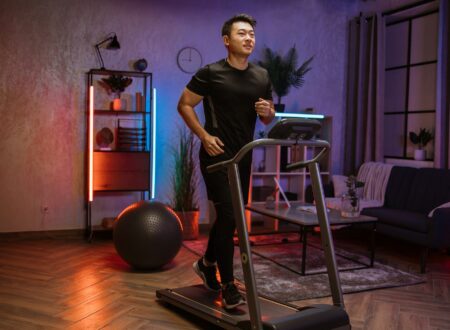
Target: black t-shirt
(229, 103)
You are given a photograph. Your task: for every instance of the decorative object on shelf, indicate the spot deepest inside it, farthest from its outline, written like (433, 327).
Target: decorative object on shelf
(189, 59)
(421, 140)
(350, 200)
(140, 65)
(104, 138)
(131, 135)
(184, 183)
(116, 84)
(112, 45)
(283, 72)
(139, 102)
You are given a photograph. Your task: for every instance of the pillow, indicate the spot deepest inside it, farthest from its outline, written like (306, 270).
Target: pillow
(430, 215)
(339, 185)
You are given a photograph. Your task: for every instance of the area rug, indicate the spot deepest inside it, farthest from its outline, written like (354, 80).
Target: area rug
(277, 269)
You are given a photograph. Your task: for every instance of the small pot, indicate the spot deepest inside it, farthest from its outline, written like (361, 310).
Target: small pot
(117, 104)
(189, 221)
(420, 154)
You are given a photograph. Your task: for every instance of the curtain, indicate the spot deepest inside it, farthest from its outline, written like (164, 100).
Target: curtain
(363, 135)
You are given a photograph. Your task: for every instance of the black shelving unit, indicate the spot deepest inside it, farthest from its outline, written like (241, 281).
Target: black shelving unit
(125, 166)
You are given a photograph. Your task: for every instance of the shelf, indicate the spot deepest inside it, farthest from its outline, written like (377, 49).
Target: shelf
(120, 112)
(106, 190)
(103, 72)
(123, 151)
(274, 160)
(126, 168)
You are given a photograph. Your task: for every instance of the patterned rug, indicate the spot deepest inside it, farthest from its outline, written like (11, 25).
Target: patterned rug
(277, 268)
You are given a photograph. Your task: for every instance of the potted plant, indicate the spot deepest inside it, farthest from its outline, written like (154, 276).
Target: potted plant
(184, 183)
(116, 84)
(350, 200)
(283, 72)
(421, 140)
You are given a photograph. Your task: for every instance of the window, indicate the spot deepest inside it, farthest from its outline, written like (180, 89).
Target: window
(410, 82)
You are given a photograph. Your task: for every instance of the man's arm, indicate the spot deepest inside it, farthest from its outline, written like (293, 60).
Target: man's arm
(265, 110)
(188, 100)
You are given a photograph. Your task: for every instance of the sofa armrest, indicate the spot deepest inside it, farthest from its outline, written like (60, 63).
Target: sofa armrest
(440, 228)
(327, 189)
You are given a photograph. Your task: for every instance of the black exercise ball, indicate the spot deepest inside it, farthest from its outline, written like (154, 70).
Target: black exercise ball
(147, 235)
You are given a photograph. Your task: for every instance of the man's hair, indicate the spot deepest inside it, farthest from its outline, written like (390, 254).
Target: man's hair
(226, 28)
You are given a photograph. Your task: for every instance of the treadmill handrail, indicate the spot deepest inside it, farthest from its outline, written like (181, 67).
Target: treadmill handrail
(268, 142)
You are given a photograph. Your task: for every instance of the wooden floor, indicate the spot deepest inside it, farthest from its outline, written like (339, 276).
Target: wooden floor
(70, 284)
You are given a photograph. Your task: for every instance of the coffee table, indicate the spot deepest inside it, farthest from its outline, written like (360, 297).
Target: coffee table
(308, 220)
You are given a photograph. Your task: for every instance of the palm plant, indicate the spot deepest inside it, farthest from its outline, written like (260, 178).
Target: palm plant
(116, 84)
(184, 178)
(283, 71)
(422, 138)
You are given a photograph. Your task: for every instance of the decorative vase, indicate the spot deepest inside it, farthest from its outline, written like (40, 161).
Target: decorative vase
(350, 206)
(420, 154)
(189, 220)
(117, 104)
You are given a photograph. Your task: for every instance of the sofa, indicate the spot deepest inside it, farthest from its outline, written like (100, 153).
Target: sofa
(415, 208)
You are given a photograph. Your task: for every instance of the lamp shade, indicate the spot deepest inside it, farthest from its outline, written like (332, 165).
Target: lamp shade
(114, 44)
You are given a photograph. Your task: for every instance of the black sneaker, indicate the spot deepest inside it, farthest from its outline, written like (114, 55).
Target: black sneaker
(207, 274)
(231, 297)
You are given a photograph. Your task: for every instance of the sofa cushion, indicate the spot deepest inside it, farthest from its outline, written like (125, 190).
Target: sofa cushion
(400, 218)
(398, 187)
(429, 189)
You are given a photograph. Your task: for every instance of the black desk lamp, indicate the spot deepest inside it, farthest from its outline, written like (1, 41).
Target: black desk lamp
(113, 44)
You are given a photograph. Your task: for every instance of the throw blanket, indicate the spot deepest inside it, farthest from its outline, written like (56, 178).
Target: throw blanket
(375, 177)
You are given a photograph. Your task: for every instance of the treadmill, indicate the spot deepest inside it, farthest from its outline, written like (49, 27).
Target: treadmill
(262, 312)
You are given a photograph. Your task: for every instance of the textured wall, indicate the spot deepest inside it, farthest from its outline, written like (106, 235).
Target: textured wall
(47, 46)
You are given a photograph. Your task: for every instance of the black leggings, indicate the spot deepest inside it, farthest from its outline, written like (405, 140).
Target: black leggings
(220, 244)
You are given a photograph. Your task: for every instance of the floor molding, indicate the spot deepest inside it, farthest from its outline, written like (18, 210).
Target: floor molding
(26, 235)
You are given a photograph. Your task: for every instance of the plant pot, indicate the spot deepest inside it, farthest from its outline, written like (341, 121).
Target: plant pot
(420, 154)
(117, 104)
(189, 221)
(279, 107)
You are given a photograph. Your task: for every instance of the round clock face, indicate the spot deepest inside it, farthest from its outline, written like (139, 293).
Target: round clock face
(189, 60)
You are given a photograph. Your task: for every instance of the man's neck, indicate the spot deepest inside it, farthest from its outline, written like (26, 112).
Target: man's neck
(237, 62)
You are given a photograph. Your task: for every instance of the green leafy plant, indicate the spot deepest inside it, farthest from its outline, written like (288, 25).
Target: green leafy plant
(422, 138)
(283, 71)
(184, 178)
(353, 184)
(116, 84)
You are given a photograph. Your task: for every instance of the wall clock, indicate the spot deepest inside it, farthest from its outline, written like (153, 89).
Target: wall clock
(189, 59)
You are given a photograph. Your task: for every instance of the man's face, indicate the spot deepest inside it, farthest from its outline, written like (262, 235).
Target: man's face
(241, 40)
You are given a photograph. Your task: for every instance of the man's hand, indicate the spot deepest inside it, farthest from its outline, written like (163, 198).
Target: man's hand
(264, 110)
(212, 144)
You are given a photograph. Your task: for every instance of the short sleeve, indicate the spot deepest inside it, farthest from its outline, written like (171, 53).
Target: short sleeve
(199, 83)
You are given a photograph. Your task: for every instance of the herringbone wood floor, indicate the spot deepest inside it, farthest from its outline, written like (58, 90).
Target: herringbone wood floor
(70, 284)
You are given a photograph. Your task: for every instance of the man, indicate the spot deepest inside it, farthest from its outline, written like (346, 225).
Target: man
(234, 92)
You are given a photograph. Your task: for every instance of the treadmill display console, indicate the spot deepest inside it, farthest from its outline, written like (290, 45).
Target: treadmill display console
(294, 129)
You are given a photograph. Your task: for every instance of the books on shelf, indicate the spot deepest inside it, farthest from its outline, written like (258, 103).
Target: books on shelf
(131, 135)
